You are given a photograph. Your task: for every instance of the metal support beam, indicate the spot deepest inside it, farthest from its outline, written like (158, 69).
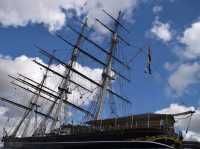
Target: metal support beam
(99, 47)
(112, 31)
(122, 26)
(92, 57)
(61, 62)
(84, 76)
(52, 95)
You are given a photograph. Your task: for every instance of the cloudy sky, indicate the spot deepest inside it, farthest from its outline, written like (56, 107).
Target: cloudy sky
(170, 27)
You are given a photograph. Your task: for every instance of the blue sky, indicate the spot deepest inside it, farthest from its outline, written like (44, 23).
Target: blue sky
(148, 93)
(180, 14)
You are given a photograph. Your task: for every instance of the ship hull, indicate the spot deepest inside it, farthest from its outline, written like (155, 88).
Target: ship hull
(111, 139)
(85, 145)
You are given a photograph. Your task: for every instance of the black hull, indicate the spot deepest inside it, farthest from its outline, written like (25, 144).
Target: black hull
(110, 139)
(85, 145)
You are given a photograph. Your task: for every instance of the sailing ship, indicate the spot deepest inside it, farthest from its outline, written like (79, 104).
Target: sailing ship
(52, 130)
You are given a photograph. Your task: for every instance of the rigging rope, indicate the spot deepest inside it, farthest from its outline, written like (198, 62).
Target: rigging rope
(188, 124)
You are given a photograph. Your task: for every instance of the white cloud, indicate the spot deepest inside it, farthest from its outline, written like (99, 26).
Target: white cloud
(47, 12)
(52, 13)
(157, 9)
(192, 136)
(182, 122)
(161, 31)
(94, 9)
(191, 40)
(184, 76)
(186, 70)
(4, 121)
(175, 108)
(170, 66)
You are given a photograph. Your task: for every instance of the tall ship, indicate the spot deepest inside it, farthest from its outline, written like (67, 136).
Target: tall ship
(75, 114)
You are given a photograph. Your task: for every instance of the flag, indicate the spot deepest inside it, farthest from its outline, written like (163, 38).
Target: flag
(148, 63)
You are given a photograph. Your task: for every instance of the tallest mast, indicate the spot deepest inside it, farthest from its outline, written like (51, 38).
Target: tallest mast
(107, 72)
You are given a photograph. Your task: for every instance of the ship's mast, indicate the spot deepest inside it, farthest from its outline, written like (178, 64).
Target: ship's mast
(107, 72)
(65, 84)
(63, 88)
